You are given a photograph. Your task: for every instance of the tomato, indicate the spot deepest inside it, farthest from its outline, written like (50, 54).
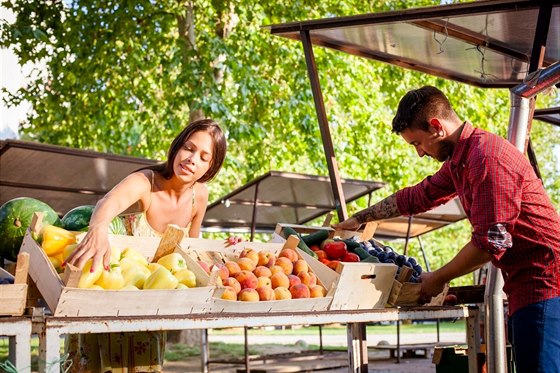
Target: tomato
(350, 257)
(335, 249)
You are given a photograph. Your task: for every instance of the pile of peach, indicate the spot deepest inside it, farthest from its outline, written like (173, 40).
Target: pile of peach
(263, 276)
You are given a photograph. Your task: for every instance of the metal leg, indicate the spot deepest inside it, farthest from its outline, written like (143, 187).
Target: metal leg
(204, 352)
(357, 348)
(247, 362)
(321, 340)
(398, 341)
(473, 339)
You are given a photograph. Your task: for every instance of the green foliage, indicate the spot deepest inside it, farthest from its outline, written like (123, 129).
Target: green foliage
(126, 77)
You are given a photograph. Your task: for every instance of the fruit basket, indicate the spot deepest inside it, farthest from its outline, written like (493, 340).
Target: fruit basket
(65, 299)
(252, 277)
(14, 292)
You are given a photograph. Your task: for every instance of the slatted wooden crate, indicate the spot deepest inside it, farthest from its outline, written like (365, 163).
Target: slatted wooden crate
(405, 293)
(216, 252)
(63, 299)
(14, 295)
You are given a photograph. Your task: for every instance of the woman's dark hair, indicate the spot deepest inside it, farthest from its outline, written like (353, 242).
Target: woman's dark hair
(418, 106)
(218, 151)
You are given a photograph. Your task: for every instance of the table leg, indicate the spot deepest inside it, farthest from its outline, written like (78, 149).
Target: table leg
(357, 348)
(473, 339)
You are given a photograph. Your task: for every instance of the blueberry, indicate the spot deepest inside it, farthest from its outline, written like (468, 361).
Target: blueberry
(400, 260)
(392, 255)
(417, 268)
(388, 249)
(412, 261)
(407, 264)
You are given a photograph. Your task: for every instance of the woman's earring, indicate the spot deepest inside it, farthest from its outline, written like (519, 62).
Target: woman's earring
(440, 133)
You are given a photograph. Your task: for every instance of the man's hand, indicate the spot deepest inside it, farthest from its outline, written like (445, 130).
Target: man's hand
(350, 224)
(431, 286)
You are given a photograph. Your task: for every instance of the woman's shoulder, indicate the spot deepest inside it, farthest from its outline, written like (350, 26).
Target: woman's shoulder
(201, 190)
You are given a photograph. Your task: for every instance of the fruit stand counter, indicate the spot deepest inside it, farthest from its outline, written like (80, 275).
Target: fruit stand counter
(50, 329)
(18, 330)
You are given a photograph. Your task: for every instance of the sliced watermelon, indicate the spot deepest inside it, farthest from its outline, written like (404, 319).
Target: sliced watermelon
(15, 218)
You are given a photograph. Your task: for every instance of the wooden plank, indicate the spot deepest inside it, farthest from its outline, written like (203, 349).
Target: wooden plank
(22, 268)
(170, 239)
(291, 242)
(13, 298)
(363, 286)
(71, 276)
(368, 232)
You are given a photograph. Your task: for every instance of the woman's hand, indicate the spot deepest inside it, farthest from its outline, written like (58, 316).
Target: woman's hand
(350, 224)
(233, 240)
(94, 245)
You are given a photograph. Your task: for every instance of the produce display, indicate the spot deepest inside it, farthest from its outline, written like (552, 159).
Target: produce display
(264, 276)
(333, 251)
(128, 268)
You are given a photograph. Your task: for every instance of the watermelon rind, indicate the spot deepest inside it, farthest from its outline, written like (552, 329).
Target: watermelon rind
(15, 217)
(78, 218)
(117, 226)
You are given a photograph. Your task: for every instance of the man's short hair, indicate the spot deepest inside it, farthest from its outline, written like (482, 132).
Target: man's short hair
(420, 105)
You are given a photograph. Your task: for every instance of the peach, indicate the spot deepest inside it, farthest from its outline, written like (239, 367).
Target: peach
(313, 280)
(317, 291)
(294, 280)
(300, 265)
(248, 295)
(229, 293)
(279, 279)
(262, 271)
(246, 264)
(288, 253)
(264, 281)
(233, 268)
(282, 293)
(276, 268)
(300, 291)
(204, 266)
(251, 254)
(222, 269)
(230, 281)
(266, 258)
(286, 265)
(305, 278)
(266, 293)
(246, 279)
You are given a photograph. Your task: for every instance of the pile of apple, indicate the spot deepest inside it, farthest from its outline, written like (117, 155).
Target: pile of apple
(331, 252)
(263, 276)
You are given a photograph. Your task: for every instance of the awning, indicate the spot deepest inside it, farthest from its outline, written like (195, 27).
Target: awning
(483, 43)
(61, 177)
(280, 197)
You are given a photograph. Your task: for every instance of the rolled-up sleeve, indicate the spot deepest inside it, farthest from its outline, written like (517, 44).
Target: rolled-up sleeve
(496, 204)
(431, 192)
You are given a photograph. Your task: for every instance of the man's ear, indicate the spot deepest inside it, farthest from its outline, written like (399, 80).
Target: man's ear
(436, 125)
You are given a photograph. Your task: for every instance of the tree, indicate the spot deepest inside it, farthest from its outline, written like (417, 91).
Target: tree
(125, 77)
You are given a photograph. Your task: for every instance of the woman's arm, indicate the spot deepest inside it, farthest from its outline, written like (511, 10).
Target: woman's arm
(135, 187)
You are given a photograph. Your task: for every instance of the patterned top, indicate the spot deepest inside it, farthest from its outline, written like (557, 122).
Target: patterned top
(138, 225)
(512, 216)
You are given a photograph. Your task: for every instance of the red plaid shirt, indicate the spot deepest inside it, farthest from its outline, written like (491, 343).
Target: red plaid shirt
(511, 214)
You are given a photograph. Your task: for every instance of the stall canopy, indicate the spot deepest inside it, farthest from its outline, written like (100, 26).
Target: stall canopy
(283, 197)
(550, 115)
(61, 177)
(483, 43)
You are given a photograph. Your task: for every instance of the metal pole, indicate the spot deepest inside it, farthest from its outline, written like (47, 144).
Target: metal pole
(254, 214)
(247, 361)
(204, 351)
(424, 254)
(336, 184)
(407, 235)
(398, 341)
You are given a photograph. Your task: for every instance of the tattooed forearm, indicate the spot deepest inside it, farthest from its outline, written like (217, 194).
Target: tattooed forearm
(384, 209)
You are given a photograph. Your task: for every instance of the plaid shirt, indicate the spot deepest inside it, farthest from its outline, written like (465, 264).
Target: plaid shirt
(512, 216)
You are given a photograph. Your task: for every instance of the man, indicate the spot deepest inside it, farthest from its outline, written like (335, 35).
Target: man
(515, 225)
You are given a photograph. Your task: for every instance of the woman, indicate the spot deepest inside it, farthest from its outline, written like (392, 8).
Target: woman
(173, 192)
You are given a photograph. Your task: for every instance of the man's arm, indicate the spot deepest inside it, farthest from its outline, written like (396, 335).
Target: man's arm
(384, 209)
(467, 260)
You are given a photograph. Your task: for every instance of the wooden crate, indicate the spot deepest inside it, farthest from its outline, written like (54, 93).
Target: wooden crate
(216, 252)
(364, 235)
(405, 293)
(14, 295)
(355, 286)
(64, 300)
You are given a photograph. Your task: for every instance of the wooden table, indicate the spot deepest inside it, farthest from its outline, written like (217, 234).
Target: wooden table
(18, 329)
(50, 329)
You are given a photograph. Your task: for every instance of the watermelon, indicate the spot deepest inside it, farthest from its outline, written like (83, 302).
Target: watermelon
(15, 218)
(78, 218)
